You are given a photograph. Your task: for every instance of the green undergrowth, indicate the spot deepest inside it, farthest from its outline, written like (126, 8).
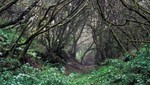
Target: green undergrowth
(7, 37)
(136, 71)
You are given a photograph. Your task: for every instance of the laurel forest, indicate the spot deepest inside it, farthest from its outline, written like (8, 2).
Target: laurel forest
(74, 42)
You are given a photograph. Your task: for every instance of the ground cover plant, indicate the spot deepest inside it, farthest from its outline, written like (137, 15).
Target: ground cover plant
(135, 71)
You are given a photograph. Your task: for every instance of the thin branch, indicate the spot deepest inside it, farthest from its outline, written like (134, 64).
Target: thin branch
(104, 18)
(8, 5)
(21, 16)
(136, 11)
(139, 41)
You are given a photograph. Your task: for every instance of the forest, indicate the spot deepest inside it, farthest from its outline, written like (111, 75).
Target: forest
(74, 42)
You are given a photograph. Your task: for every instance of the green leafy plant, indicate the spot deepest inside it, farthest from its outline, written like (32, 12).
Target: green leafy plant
(136, 71)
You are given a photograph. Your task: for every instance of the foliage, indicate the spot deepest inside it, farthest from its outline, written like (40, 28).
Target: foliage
(65, 29)
(136, 71)
(8, 64)
(7, 37)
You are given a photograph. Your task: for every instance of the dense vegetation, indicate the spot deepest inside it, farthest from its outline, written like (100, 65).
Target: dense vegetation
(136, 70)
(74, 42)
